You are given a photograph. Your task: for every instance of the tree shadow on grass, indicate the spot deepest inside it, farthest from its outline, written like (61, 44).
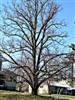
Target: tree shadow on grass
(50, 98)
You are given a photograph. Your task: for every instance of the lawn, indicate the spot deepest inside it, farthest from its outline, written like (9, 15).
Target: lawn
(7, 95)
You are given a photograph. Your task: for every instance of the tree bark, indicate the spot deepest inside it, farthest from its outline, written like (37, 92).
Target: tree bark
(35, 91)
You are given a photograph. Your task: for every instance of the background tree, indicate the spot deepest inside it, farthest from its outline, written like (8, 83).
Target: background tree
(72, 46)
(32, 36)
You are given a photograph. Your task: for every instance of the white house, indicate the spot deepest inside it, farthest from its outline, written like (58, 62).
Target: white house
(42, 89)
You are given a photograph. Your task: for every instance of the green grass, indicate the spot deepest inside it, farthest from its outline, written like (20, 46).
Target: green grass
(63, 97)
(8, 95)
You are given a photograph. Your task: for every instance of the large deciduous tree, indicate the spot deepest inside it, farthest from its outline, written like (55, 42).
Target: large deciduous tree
(31, 39)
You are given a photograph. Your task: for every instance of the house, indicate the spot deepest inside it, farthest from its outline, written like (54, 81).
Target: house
(42, 89)
(7, 81)
(22, 87)
(71, 91)
(58, 87)
(7, 78)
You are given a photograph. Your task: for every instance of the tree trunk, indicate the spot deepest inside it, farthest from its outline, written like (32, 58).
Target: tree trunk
(35, 91)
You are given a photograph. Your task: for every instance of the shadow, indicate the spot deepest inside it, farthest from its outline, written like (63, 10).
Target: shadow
(50, 98)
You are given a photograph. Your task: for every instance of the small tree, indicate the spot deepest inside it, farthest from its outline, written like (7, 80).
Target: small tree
(32, 37)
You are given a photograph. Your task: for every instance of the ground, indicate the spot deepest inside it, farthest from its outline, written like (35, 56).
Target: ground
(8, 95)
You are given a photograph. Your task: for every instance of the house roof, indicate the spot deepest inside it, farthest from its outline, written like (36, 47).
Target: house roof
(70, 88)
(7, 74)
(60, 84)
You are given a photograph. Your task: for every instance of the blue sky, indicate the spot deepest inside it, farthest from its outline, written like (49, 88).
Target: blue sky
(67, 14)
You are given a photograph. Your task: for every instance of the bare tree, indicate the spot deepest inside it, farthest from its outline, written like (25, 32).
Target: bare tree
(32, 38)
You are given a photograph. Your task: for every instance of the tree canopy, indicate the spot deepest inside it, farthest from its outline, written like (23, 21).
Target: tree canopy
(32, 39)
